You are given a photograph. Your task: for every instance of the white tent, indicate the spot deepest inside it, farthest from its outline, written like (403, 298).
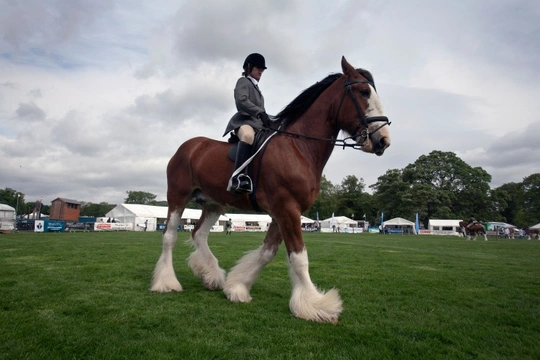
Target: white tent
(339, 221)
(306, 220)
(444, 227)
(7, 218)
(496, 225)
(137, 215)
(249, 222)
(537, 226)
(399, 223)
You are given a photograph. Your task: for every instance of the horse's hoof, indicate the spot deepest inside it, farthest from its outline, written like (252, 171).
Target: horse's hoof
(237, 293)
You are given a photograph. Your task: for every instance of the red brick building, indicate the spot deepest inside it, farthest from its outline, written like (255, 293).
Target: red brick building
(65, 209)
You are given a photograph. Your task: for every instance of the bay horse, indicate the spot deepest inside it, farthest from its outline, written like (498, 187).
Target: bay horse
(475, 229)
(532, 233)
(287, 182)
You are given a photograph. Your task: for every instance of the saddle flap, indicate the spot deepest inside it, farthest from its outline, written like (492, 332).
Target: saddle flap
(260, 138)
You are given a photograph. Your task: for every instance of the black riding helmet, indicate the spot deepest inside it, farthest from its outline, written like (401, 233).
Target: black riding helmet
(255, 59)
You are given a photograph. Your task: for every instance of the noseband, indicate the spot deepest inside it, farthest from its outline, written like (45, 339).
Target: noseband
(363, 122)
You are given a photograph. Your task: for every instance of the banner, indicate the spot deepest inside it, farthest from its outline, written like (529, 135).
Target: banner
(39, 226)
(112, 226)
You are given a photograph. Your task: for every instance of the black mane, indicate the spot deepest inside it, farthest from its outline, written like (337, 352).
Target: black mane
(302, 102)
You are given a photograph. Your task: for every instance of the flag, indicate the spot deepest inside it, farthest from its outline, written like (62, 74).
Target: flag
(382, 217)
(317, 216)
(417, 224)
(333, 221)
(364, 216)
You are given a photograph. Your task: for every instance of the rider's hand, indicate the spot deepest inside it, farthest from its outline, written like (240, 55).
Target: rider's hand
(265, 119)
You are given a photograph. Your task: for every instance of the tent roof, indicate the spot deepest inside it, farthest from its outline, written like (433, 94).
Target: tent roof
(150, 211)
(5, 207)
(340, 220)
(248, 217)
(502, 224)
(537, 226)
(398, 221)
(306, 220)
(444, 222)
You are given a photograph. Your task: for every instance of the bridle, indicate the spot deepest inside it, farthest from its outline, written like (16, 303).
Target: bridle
(363, 122)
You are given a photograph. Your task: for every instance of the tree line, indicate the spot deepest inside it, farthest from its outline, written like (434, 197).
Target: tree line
(436, 186)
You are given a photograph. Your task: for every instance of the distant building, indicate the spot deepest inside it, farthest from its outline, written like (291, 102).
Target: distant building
(65, 209)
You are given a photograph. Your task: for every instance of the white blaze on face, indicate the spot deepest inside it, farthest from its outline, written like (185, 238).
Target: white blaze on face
(376, 128)
(375, 107)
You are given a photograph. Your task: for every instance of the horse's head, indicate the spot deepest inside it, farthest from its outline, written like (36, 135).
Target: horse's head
(360, 111)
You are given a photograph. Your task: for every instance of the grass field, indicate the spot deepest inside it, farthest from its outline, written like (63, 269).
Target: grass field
(85, 296)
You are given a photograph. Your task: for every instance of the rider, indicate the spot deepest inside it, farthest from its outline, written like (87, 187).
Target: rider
(471, 222)
(250, 118)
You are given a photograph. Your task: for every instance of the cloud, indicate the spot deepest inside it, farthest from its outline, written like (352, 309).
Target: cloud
(30, 112)
(97, 96)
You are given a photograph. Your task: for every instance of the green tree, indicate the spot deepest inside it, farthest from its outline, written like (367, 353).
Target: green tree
(140, 197)
(352, 200)
(497, 201)
(531, 199)
(11, 197)
(389, 193)
(506, 201)
(453, 187)
(326, 202)
(96, 210)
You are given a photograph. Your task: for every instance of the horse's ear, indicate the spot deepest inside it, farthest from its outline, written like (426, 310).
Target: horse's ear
(347, 68)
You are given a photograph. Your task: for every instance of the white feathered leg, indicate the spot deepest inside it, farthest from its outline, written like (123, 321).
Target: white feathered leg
(202, 261)
(306, 301)
(164, 279)
(243, 274)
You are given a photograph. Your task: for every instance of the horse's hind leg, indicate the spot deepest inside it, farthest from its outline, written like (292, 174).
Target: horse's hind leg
(202, 261)
(243, 274)
(164, 279)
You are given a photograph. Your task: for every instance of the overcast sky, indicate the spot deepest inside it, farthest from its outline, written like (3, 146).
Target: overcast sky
(96, 96)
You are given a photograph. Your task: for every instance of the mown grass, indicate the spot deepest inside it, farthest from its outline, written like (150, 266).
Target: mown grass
(85, 296)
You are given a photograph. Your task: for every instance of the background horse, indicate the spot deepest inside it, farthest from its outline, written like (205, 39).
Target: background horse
(475, 229)
(532, 233)
(287, 182)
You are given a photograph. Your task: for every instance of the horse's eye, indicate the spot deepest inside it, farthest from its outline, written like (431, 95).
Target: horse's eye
(365, 93)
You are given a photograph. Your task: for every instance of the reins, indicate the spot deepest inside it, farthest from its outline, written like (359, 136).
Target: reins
(357, 145)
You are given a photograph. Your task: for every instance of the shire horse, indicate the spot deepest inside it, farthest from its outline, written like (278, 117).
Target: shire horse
(287, 182)
(475, 229)
(532, 233)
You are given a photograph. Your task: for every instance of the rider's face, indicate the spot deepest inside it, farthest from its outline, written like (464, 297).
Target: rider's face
(256, 73)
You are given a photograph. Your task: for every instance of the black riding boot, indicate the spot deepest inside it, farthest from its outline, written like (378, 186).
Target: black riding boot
(241, 183)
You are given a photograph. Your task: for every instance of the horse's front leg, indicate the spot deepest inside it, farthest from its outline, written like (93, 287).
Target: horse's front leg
(202, 261)
(307, 302)
(243, 274)
(164, 279)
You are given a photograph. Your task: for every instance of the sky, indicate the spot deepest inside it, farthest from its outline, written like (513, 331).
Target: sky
(96, 96)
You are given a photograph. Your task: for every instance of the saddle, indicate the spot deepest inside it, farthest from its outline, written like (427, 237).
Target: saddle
(258, 142)
(262, 138)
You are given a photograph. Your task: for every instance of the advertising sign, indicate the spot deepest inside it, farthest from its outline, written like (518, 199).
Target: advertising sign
(113, 226)
(39, 226)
